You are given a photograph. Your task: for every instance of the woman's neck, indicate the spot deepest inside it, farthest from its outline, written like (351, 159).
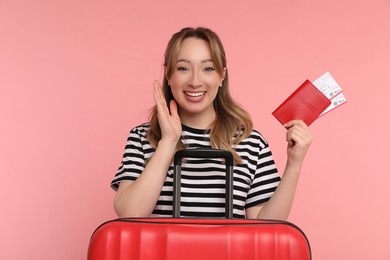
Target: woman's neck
(198, 121)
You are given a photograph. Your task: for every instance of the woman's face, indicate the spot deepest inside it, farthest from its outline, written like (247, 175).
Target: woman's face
(194, 81)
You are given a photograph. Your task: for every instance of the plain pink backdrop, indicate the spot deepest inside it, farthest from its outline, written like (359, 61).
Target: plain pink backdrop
(75, 76)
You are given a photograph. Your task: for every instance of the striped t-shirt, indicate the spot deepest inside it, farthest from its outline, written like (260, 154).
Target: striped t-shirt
(203, 180)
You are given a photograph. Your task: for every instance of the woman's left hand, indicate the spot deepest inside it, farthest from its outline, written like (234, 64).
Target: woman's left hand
(299, 138)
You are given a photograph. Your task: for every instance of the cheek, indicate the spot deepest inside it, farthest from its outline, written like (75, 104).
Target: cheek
(214, 83)
(175, 88)
(176, 81)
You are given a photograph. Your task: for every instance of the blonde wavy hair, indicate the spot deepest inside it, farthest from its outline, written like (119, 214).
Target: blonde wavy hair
(232, 123)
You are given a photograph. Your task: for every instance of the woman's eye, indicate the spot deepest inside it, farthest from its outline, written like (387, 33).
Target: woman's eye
(209, 69)
(182, 69)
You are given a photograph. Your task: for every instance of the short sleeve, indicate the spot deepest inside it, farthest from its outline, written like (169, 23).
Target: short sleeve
(266, 178)
(133, 161)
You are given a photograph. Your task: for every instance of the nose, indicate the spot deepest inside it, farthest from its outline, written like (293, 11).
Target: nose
(195, 80)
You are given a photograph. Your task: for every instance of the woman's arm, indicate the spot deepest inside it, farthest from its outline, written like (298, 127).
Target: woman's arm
(138, 198)
(299, 138)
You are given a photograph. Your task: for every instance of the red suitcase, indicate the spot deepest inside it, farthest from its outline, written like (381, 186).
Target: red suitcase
(190, 239)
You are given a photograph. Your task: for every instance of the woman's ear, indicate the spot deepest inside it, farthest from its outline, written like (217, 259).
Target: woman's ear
(223, 76)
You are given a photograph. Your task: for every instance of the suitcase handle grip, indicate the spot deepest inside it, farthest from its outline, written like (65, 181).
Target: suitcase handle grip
(203, 153)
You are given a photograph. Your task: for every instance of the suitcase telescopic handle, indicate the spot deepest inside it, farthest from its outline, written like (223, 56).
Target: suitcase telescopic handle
(202, 153)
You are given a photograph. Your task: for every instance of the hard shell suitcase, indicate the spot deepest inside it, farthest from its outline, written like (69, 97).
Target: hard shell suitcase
(188, 238)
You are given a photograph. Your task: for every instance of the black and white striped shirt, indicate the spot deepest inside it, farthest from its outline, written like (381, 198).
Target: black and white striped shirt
(203, 180)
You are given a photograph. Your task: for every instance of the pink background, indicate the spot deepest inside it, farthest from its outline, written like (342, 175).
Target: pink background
(75, 76)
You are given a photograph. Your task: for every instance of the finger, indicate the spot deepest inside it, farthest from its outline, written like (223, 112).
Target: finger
(173, 108)
(295, 122)
(157, 91)
(159, 97)
(293, 138)
(290, 142)
(299, 127)
(299, 135)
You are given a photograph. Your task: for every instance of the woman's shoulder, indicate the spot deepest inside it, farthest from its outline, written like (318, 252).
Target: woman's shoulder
(256, 137)
(140, 129)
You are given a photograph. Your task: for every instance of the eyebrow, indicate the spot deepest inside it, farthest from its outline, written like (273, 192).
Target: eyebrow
(188, 61)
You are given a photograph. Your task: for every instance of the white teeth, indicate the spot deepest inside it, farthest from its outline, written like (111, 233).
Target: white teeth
(195, 94)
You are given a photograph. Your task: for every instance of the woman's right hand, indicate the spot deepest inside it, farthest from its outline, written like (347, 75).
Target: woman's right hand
(168, 119)
(138, 198)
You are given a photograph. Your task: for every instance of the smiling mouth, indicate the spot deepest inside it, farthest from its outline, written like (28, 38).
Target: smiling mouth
(195, 94)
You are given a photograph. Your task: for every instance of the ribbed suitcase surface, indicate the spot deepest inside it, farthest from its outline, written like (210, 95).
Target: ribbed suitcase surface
(200, 239)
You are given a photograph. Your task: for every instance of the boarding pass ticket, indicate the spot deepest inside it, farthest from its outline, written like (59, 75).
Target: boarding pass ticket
(329, 87)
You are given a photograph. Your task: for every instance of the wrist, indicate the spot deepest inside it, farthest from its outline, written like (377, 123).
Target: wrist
(167, 142)
(293, 166)
(167, 146)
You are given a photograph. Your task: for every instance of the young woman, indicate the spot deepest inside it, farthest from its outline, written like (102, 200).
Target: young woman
(193, 108)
